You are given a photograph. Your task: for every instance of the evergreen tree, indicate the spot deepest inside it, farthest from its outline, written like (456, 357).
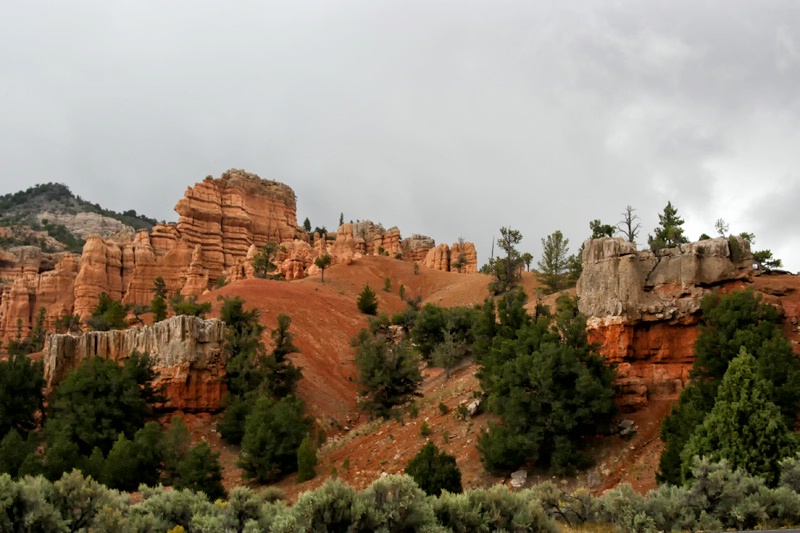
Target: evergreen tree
(280, 374)
(388, 373)
(273, 432)
(108, 314)
(367, 302)
(506, 270)
(730, 322)
(600, 230)
(200, 470)
(306, 460)
(553, 266)
(548, 385)
(744, 427)
(307, 225)
(434, 471)
(21, 394)
(670, 233)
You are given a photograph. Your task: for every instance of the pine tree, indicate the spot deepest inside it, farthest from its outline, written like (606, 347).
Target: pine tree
(554, 264)
(670, 233)
(744, 427)
(367, 302)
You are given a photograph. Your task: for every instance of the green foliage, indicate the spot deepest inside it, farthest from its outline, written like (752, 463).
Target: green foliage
(273, 432)
(600, 230)
(554, 264)
(264, 260)
(434, 471)
(367, 303)
(393, 503)
(730, 322)
(108, 314)
(158, 306)
(670, 233)
(21, 394)
(548, 385)
(306, 459)
(13, 452)
(401, 292)
(506, 270)
(200, 470)
(744, 427)
(231, 426)
(68, 323)
(329, 508)
(96, 402)
(765, 261)
(387, 284)
(182, 305)
(323, 262)
(388, 373)
(307, 225)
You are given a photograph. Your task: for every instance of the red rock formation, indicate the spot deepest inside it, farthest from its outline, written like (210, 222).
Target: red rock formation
(642, 308)
(227, 215)
(416, 247)
(187, 354)
(438, 258)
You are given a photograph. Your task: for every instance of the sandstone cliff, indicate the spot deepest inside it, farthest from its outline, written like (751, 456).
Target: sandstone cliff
(187, 352)
(642, 306)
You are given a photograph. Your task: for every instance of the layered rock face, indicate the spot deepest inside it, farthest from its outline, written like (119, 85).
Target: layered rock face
(461, 257)
(187, 353)
(30, 280)
(642, 306)
(226, 216)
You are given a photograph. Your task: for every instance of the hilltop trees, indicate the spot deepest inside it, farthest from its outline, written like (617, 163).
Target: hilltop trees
(506, 270)
(554, 264)
(670, 232)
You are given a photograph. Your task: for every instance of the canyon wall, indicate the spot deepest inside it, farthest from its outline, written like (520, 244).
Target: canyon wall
(642, 307)
(187, 354)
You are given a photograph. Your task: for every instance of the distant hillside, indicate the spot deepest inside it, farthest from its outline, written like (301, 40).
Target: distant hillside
(50, 216)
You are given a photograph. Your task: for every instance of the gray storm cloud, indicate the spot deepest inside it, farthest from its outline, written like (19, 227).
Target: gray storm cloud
(445, 118)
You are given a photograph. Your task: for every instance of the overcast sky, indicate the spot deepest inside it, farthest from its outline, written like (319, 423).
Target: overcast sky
(447, 118)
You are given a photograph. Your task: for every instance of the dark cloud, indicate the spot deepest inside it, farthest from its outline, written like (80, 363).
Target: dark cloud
(450, 119)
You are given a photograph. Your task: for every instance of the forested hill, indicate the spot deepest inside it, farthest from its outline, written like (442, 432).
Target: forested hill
(52, 210)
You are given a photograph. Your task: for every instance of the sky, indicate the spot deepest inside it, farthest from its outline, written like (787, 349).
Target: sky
(446, 118)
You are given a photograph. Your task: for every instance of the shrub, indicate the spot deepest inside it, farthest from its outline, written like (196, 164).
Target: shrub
(328, 508)
(306, 460)
(434, 470)
(392, 503)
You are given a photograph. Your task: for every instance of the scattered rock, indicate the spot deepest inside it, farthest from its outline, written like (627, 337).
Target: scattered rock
(519, 478)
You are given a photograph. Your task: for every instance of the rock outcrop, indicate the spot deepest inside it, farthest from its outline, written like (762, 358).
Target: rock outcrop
(461, 257)
(187, 354)
(86, 223)
(642, 307)
(223, 224)
(226, 216)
